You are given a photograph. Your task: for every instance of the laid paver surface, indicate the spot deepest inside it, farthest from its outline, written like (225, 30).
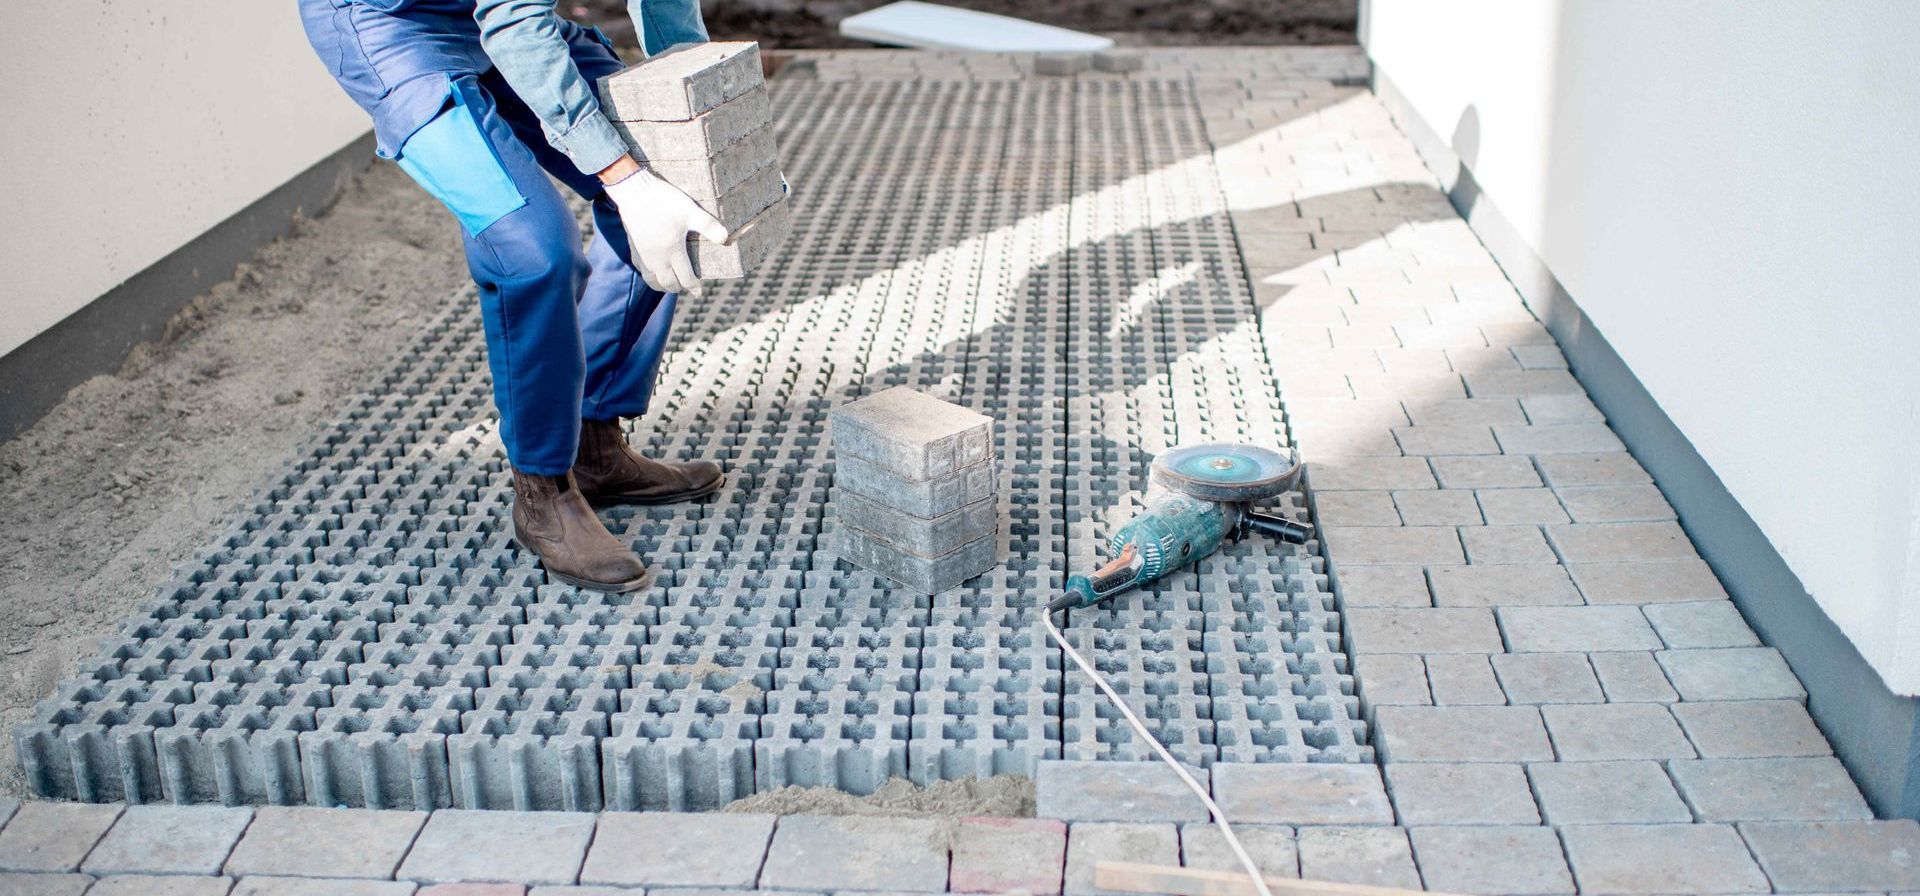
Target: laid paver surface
(1558, 689)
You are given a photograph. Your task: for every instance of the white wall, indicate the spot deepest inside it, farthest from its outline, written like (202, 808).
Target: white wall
(1732, 193)
(131, 127)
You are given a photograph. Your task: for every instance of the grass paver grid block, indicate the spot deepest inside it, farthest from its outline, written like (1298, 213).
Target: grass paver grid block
(364, 634)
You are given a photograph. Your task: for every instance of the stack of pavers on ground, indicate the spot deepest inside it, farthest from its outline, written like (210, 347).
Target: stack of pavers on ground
(914, 489)
(699, 116)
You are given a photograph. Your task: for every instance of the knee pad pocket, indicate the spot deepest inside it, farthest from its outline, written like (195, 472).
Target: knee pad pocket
(452, 160)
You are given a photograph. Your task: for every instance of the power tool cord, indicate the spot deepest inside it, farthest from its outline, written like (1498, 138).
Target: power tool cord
(1213, 809)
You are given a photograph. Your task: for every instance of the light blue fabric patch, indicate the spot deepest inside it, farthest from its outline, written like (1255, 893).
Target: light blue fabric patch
(452, 160)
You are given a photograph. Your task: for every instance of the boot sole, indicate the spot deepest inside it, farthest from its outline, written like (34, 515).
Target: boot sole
(645, 579)
(689, 495)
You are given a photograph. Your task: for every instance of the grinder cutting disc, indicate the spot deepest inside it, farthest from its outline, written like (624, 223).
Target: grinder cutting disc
(1225, 472)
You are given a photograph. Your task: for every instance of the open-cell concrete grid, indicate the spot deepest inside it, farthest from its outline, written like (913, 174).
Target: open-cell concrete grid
(1053, 253)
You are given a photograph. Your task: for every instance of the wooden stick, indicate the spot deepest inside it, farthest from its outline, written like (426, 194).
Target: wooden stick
(1135, 877)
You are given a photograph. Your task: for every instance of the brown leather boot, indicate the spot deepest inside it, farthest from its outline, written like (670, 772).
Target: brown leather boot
(611, 472)
(552, 519)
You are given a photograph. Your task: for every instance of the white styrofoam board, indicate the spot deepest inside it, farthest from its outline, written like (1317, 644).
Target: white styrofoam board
(931, 26)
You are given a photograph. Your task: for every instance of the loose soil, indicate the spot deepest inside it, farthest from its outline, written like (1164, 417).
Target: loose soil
(1006, 796)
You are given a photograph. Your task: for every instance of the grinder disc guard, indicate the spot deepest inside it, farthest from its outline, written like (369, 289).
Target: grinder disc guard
(1226, 472)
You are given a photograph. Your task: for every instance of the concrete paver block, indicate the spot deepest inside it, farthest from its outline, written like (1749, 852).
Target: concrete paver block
(1646, 583)
(1413, 544)
(1418, 441)
(1530, 584)
(1301, 793)
(307, 841)
(1570, 438)
(700, 136)
(747, 245)
(1461, 793)
(169, 839)
(746, 200)
(157, 885)
(1804, 789)
(1521, 383)
(708, 180)
(1432, 630)
(1520, 506)
(1615, 503)
(926, 537)
(922, 498)
(1751, 729)
(1616, 731)
(1365, 473)
(1061, 63)
(1604, 468)
(1119, 61)
(1732, 673)
(1606, 793)
(927, 575)
(1378, 857)
(658, 849)
(856, 853)
(1496, 471)
(1006, 855)
(1392, 679)
(53, 836)
(486, 846)
(472, 889)
(1438, 507)
(1506, 544)
(1381, 586)
(1356, 509)
(1714, 623)
(1838, 855)
(1563, 629)
(1616, 542)
(307, 886)
(1092, 842)
(1463, 680)
(1115, 791)
(1492, 860)
(30, 884)
(911, 434)
(1462, 734)
(1546, 410)
(1661, 858)
(1633, 677)
(1547, 678)
(1455, 411)
(1273, 848)
(682, 82)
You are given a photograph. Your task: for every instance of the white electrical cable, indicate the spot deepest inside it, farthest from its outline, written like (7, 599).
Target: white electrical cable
(1213, 809)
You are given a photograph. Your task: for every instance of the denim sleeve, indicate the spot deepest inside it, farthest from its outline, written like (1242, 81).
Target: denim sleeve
(524, 40)
(663, 23)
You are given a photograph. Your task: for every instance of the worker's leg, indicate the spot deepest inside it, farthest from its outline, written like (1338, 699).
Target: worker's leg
(664, 23)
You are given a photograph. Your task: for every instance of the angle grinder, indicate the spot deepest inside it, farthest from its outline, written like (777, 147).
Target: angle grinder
(1210, 492)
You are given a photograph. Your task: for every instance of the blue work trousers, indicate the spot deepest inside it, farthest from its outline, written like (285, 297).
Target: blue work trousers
(570, 333)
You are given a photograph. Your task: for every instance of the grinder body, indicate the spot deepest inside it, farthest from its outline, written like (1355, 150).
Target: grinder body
(1171, 533)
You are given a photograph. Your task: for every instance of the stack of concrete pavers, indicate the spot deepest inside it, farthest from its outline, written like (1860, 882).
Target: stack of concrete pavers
(914, 489)
(699, 116)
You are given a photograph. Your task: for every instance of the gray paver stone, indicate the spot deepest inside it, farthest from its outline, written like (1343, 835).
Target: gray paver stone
(708, 180)
(1617, 542)
(1546, 410)
(473, 888)
(923, 498)
(1446, 440)
(1506, 544)
(1438, 508)
(1605, 468)
(1520, 506)
(1092, 842)
(306, 886)
(1422, 630)
(1838, 855)
(1520, 383)
(683, 81)
(1708, 623)
(53, 836)
(169, 839)
(159, 885)
(747, 245)
(1606, 793)
(1563, 629)
(566, 890)
(1662, 581)
(1569, 438)
(911, 434)
(744, 201)
(1273, 848)
(856, 853)
(482, 845)
(1119, 61)
(1374, 544)
(1347, 473)
(1508, 585)
(1006, 855)
(1492, 860)
(1115, 791)
(1731, 673)
(1547, 678)
(1461, 793)
(1616, 731)
(927, 575)
(1392, 679)
(1661, 858)
(1381, 586)
(1301, 793)
(1462, 734)
(1493, 471)
(28, 884)
(1750, 729)
(1633, 677)
(1802, 789)
(1065, 63)
(1356, 509)
(927, 537)
(1615, 503)
(1463, 680)
(1372, 856)
(677, 849)
(307, 841)
(701, 136)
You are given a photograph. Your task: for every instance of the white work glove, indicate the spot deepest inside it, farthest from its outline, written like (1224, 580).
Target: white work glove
(658, 218)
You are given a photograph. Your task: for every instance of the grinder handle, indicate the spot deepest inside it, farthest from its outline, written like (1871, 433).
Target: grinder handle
(1279, 527)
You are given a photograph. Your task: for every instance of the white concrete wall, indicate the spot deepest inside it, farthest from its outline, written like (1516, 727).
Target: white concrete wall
(130, 128)
(1732, 193)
